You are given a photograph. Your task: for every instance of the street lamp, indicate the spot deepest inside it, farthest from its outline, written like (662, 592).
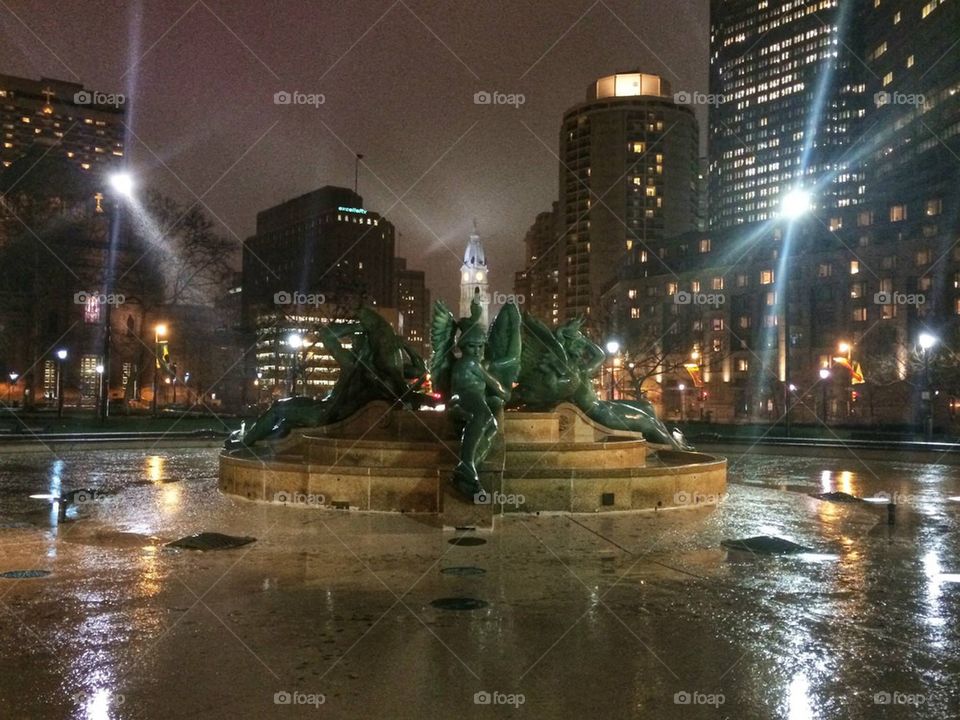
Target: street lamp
(295, 341)
(13, 381)
(682, 388)
(122, 184)
(61, 356)
(159, 332)
(927, 342)
(824, 376)
(613, 347)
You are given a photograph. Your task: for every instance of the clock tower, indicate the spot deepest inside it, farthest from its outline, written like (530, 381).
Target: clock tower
(473, 278)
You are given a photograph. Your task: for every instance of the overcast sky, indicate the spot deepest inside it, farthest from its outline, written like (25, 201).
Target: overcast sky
(398, 80)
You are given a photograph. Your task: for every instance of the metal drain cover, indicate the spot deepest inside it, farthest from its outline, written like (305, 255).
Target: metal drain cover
(211, 541)
(24, 574)
(459, 603)
(463, 570)
(765, 545)
(467, 540)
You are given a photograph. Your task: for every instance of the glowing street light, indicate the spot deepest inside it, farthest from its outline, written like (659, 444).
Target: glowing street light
(159, 332)
(61, 356)
(824, 373)
(123, 183)
(927, 342)
(613, 347)
(796, 203)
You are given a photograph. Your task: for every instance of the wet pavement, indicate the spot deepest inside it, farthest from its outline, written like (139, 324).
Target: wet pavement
(332, 614)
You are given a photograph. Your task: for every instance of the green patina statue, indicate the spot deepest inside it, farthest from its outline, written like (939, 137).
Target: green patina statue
(477, 382)
(560, 366)
(379, 365)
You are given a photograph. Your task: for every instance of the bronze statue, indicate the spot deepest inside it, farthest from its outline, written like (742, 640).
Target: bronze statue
(477, 383)
(560, 366)
(378, 366)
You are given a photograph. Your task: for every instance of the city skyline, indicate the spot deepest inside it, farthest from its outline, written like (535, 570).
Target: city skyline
(493, 162)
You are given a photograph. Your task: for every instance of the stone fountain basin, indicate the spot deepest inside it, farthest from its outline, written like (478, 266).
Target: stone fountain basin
(395, 460)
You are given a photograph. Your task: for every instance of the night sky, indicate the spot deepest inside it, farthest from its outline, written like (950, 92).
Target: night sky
(398, 79)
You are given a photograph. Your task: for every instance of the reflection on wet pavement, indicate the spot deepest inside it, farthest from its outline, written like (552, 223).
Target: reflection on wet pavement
(613, 616)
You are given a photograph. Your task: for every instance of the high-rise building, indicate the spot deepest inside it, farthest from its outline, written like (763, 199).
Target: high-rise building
(787, 104)
(413, 305)
(474, 278)
(539, 283)
(313, 261)
(628, 176)
(912, 75)
(85, 126)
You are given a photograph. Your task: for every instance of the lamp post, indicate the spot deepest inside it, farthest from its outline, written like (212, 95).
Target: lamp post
(295, 341)
(13, 381)
(927, 342)
(159, 332)
(824, 376)
(122, 185)
(846, 351)
(61, 356)
(796, 203)
(613, 347)
(682, 388)
(259, 383)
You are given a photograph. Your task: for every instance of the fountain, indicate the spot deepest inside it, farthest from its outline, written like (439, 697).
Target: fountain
(520, 429)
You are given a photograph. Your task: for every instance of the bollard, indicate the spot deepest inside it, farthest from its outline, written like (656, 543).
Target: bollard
(891, 513)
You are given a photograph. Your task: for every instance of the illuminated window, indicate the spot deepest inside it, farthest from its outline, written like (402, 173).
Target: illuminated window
(766, 277)
(859, 314)
(898, 213)
(910, 61)
(824, 270)
(671, 288)
(742, 280)
(887, 79)
(836, 223)
(717, 324)
(695, 286)
(634, 312)
(857, 290)
(717, 283)
(864, 218)
(854, 267)
(632, 293)
(771, 298)
(638, 147)
(743, 365)
(933, 207)
(922, 257)
(928, 8)
(896, 20)
(705, 245)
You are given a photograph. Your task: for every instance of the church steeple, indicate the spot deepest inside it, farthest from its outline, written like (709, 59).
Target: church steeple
(473, 277)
